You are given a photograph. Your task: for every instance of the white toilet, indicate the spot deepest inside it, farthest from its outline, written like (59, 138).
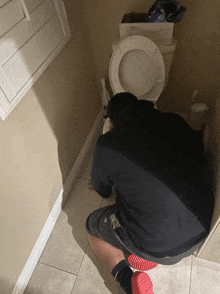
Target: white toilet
(137, 66)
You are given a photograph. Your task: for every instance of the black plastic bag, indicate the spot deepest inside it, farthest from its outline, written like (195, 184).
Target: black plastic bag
(161, 11)
(135, 17)
(171, 10)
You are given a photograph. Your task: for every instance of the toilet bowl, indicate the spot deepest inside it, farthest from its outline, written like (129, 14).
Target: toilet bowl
(137, 67)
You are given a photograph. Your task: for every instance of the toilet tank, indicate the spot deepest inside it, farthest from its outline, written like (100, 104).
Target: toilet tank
(159, 33)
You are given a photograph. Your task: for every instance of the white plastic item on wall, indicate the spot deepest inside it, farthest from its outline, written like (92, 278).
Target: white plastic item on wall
(26, 12)
(27, 47)
(198, 115)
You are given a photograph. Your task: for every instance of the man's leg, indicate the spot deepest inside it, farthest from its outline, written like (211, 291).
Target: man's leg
(108, 254)
(114, 260)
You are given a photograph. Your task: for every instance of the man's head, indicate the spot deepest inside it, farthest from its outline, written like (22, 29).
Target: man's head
(118, 102)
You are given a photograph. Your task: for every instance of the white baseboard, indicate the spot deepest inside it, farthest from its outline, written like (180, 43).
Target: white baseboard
(32, 261)
(39, 246)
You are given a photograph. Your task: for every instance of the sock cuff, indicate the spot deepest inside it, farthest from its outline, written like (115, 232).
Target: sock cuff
(122, 264)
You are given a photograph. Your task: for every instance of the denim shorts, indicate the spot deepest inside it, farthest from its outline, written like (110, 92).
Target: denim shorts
(103, 224)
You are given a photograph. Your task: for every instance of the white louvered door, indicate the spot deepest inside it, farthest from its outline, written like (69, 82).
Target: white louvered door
(32, 33)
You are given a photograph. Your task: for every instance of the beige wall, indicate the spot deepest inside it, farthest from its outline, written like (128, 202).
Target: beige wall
(196, 60)
(194, 66)
(212, 248)
(40, 141)
(42, 137)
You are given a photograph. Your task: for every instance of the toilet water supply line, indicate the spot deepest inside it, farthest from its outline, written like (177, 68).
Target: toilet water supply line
(25, 9)
(194, 95)
(105, 95)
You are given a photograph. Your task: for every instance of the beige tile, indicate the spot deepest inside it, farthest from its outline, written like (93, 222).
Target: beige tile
(211, 251)
(94, 278)
(67, 243)
(205, 277)
(48, 280)
(171, 279)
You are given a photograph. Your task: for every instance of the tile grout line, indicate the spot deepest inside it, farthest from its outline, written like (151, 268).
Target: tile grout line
(76, 275)
(72, 291)
(83, 257)
(190, 281)
(62, 270)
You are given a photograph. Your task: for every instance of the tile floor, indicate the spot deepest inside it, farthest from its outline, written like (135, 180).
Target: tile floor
(69, 266)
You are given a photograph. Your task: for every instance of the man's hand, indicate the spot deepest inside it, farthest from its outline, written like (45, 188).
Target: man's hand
(95, 193)
(92, 189)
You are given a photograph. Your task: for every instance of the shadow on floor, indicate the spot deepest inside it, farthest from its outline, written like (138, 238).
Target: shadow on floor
(77, 228)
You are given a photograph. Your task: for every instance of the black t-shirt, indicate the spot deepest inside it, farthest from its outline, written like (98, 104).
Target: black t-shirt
(163, 184)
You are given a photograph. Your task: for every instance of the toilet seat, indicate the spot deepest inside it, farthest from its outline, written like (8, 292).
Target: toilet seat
(137, 66)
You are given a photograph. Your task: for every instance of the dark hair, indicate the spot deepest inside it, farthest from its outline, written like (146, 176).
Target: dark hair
(125, 109)
(120, 101)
